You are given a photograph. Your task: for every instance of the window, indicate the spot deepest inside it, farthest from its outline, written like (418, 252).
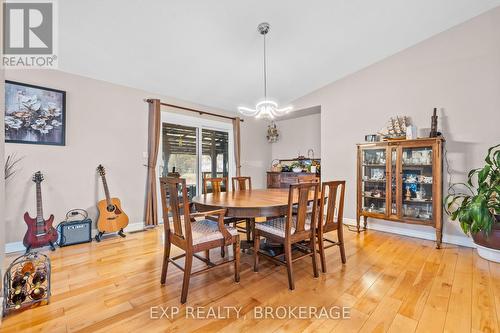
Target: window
(215, 154)
(196, 148)
(180, 151)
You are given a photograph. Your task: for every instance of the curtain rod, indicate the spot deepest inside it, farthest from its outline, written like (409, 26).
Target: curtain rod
(149, 100)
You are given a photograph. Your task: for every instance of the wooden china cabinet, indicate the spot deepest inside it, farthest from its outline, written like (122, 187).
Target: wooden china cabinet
(401, 181)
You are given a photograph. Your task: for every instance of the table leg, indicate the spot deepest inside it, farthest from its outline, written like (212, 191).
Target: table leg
(247, 244)
(250, 223)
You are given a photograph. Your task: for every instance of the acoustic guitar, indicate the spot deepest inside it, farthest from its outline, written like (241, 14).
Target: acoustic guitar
(111, 216)
(40, 231)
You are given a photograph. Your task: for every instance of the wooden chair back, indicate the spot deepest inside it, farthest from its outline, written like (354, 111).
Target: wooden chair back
(240, 183)
(308, 179)
(171, 201)
(216, 184)
(332, 197)
(302, 192)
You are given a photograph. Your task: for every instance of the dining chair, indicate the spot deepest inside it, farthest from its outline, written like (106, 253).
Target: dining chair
(215, 184)
(192, 235)
(291, 230)
(240, 183)
(306, 179)
(332, 201)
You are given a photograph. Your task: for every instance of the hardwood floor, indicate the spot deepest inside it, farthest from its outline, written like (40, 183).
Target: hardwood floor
(390, 282)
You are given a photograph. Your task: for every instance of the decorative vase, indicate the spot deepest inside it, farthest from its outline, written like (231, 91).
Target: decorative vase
(488, 246)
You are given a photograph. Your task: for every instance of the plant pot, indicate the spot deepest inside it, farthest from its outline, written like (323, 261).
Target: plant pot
(488, 247)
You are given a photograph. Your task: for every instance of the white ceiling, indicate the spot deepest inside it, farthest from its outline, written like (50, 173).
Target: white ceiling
(209, 52)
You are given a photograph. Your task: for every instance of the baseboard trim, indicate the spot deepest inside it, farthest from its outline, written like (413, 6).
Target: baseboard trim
(14, 247)
(428, 235)
(134, 226)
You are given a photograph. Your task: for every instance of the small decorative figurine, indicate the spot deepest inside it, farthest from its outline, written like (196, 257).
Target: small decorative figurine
(434, 124)
(408, 194)
(396, 128)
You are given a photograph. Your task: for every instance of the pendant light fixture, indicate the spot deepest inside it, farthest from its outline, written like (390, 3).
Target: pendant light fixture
(266, 108)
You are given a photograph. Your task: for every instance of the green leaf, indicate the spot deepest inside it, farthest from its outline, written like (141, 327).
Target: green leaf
(475, 210)
(488, 159)
(483, 174)
(470, 175)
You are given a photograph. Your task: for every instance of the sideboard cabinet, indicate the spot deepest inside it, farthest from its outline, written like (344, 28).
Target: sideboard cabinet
(284, 179)
(401, 181)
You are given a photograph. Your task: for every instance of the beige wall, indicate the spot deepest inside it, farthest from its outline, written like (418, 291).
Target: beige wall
(2, 147)
(457, 70)
(297, 136)
(106, 124)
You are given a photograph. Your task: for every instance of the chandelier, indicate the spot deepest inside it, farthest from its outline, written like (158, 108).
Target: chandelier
(266, 108)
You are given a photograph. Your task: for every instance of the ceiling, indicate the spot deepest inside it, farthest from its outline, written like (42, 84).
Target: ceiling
(209, 51)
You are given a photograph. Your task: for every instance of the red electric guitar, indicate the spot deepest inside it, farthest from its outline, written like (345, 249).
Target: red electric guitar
(40, 232)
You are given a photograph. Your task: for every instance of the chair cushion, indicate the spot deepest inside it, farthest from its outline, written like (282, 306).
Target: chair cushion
(295, 209)
(204, 231)
(276, 226)
(227, 219)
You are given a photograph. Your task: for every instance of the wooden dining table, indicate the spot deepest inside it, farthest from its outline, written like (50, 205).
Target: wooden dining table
(248, 204)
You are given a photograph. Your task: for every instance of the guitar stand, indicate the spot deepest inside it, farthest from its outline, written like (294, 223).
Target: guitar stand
(51, 244)
(99, 236)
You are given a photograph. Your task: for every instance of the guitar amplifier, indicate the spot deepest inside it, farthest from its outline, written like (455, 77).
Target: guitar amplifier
(76, 231)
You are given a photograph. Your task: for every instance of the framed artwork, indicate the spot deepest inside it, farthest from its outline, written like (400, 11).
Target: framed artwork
(34, 115)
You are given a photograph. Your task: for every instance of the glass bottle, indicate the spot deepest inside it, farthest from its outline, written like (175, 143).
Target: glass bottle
(37, 293)
(38, 279)
(18, 299)
(18, 282)
(28, 269)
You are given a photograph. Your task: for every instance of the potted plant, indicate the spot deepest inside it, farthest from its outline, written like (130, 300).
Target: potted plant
(10, 165)
(476, 205)
(297, 166)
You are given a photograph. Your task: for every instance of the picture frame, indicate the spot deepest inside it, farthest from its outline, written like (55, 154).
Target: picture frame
(34, 114)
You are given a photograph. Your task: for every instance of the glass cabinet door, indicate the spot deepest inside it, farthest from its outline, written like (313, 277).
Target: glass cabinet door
(394, 181)
(417, 181)
(373, 180)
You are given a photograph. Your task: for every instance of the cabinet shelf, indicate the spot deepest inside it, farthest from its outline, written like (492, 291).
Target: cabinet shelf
(396, 155)
(368, 197)
(417, 201)
(417, 165)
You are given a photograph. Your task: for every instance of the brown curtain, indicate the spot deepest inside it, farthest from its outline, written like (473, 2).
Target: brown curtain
(237, 145)
(153, 146)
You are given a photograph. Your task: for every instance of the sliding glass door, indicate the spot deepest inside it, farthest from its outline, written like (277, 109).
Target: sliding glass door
(215, 155)
(197, 148)
(180, 151)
